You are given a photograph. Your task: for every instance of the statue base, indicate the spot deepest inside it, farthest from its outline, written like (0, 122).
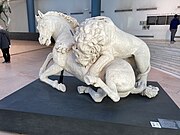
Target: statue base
(39, 109)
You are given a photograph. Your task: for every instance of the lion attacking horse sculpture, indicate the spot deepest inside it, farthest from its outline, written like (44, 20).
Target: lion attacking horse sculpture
(116, 79)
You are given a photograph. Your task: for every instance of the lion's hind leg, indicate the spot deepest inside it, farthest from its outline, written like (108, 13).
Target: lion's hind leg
(142, 60)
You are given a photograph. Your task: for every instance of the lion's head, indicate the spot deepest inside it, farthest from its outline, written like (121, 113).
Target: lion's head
(90, 37)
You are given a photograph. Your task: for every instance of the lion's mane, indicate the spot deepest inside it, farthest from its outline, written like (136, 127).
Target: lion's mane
(92, 35)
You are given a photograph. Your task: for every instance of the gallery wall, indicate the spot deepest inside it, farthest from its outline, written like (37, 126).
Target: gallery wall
(76, 8)
(19, 22)
(130, 21)
(128, 15)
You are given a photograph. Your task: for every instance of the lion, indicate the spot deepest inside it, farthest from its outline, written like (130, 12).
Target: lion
(99, 34)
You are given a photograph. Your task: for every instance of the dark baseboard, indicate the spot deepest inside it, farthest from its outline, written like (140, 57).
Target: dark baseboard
(145, 36)
(24, 36)
(177, 36)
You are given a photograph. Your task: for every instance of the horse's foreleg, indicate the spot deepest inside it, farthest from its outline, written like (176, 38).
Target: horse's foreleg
(52, 70)
(96, 96)
(97, 82)
(45, 64)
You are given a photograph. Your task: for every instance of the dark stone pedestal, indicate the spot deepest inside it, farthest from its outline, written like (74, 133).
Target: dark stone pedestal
(39, 109)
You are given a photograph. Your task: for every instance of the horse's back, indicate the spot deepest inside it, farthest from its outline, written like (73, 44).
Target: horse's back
(121, 73)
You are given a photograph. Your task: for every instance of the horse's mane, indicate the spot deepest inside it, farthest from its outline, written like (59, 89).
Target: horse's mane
(72, 21)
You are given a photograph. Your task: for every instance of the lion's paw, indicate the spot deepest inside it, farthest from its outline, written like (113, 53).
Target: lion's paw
(150, 91)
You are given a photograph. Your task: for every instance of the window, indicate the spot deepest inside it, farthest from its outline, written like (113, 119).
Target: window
(151, 20)
(159, 20)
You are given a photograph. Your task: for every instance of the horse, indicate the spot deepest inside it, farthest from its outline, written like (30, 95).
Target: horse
(4, 10)
(111, 82)
(45, 36)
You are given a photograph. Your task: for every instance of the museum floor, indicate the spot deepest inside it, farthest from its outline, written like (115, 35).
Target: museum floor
(28, 56)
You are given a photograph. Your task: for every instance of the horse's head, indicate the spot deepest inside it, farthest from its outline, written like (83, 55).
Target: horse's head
(45, 27)
(54, 24)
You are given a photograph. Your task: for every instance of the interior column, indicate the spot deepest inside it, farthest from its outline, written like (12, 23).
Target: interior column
(31, 15)
(95, 8)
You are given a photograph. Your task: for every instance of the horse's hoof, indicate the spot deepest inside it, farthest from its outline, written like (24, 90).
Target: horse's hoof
(90, 80)
(98, 100)
(61, 87)
(81, 89)
(115, 98)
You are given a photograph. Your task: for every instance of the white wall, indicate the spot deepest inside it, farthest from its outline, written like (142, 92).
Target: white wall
(66, 6)
(19, 21)
(127, 21)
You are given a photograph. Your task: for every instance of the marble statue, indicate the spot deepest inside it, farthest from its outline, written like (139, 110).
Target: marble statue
(116, 77)
(5, 9)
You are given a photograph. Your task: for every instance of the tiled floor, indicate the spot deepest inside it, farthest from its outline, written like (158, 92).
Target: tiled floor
(28, 56)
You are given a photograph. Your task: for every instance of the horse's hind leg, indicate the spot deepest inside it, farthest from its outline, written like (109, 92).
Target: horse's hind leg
(52, 70)
(97, 82)
(96, 96)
